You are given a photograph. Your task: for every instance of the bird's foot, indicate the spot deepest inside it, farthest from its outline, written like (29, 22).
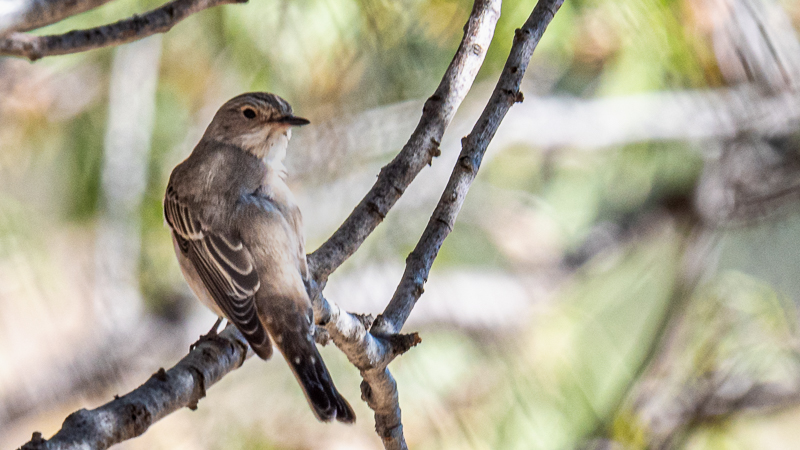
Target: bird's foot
(212, 335)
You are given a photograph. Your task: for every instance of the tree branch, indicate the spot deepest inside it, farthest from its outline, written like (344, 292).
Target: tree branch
(419, 151)
(166, 391)
(25, 15)
(505, 94)
(369, 353)
(372, 351)
(159, 20)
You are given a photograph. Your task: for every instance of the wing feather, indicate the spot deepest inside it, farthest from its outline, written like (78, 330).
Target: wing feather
(225, 267)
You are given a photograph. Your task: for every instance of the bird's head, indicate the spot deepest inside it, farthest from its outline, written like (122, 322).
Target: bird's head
(257, 122)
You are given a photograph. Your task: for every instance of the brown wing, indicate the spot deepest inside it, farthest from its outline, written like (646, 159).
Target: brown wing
(225, 267)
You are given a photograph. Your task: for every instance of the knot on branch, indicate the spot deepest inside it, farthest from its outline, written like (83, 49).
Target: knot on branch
(430, 104)
(520, 34)
(434, 151)
(161, 375)
(365, 319)
(373, 207)
(402, 343)
(419, 288)
(467, 163)
(321, 336)
(199, 388)
(366, 394)
(78, 419)
(514, 96)
(36, 442)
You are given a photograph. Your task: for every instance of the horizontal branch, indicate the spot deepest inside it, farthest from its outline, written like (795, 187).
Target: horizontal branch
(25, 15)
(506, 93)
(159, 20)
(419, 151)
(165, 392)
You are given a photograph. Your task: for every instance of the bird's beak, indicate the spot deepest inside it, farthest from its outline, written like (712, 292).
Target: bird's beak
(293, 121)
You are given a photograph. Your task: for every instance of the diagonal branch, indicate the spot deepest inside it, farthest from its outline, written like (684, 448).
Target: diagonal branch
(159, 20)
(165, 392)
(25, 15)
(378, 347)
(419, 151)
(506, 93)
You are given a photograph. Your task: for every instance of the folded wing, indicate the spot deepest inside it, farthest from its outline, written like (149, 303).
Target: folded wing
(225, 267)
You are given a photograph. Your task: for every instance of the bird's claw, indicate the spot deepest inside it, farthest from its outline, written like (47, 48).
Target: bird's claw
(211, 336)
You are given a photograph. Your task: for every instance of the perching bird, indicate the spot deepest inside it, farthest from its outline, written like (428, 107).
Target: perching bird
(238, 236)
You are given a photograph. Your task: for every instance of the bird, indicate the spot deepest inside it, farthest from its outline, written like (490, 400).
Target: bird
(237, 234)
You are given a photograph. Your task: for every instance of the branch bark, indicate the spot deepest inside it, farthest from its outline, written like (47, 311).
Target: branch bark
(383, 343)
(370, 351)
(419, 151)
(165, 392)
(130, 416)
(25, 15)
(505, 94)
(159, 20)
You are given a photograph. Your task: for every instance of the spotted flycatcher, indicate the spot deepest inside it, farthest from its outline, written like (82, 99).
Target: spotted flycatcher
(238, 236)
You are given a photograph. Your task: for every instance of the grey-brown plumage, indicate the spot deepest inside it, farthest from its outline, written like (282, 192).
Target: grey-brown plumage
(238, 237)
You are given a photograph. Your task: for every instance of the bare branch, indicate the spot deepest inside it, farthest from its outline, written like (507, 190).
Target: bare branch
(419, 151)
(505, 94)
(25, 15)
(159, 20)
(371, 354)
(372, 351)
(205, 365)
(166, 391)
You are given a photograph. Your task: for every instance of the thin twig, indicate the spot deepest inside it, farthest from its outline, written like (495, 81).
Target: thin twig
(25, 15)
(159, 20)
(165, 392)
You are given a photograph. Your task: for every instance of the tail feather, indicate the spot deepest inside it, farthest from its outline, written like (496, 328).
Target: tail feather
(288, 323)
(326, 402)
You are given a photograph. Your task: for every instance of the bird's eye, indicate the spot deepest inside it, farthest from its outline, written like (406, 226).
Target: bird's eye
(249, 113)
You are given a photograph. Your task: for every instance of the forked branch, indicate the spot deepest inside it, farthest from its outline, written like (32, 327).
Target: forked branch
(348, 331)
(370, 347)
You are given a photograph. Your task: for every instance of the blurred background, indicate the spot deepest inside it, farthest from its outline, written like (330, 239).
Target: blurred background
(623, 273)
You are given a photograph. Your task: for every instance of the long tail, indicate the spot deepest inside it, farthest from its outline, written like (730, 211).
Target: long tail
(307, 365)
(288, 322)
